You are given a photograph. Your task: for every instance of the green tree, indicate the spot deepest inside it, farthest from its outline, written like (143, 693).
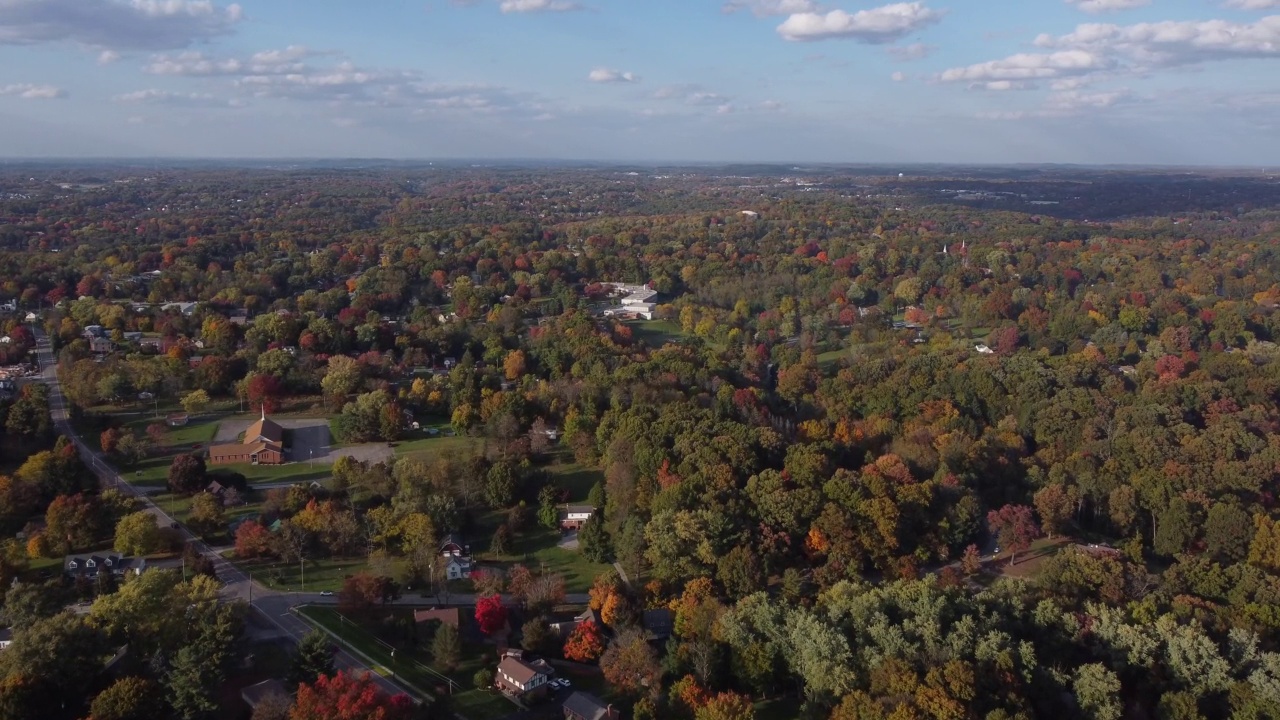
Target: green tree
(446, 647)
(341, 378)
(549, 507)
(191, 686)
(129, 698)
(593, 539)
(138, 534)
(314, 657)
(1097, 691)
(1175, 528)
(1228, 530)
(195, 402)
(208, 516)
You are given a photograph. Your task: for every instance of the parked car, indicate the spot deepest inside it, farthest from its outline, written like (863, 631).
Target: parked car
(326, 593)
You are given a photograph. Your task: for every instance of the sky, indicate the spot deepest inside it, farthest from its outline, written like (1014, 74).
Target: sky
(1172, 82)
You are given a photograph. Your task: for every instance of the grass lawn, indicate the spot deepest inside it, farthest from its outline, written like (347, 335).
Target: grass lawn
(537, 551)
(656, 333)
(320, 574)
(577, 479)
(831, 357)
(376, 639)
(1029, 561)
(420, 445)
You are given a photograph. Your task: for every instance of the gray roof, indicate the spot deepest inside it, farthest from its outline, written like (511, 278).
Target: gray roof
(255, 694)
(586, 706)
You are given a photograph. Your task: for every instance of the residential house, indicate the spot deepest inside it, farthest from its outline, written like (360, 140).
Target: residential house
(263, 444)
(93, 331)
(444, 616)
(32, 317)
(585, 706)
(521, 678)
(186, 308)
(239, 317)
(100, 345)
(457, 567)
(573, 517)
(6, 638)
(658, 624)
(88, 565)
(255, 695)
(452, 545)
(133, 336)
(983, 349)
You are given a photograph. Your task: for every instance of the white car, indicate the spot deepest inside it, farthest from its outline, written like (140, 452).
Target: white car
(326, 593)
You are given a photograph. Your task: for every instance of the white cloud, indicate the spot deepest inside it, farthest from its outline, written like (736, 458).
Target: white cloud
(1175, 42)
(530, 6)
(607, 75)
(914, 51)
(267, 62)
(1094, 7)
(772, 106)
(1073, 100)
(115, 24)
(767, 8)
(898, 77)
(1002, 85)
(1253, 4)
(106, 57)
(192, 64)
(1029, 66)
(153, 96)
(878, 25)
(27, 91)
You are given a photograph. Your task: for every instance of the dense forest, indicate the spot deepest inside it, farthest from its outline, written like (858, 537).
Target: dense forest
(887, 447)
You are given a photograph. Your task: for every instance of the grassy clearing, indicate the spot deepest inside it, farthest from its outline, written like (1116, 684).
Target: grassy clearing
(538, 550)
(309, 576)
(656, 333)
(421, 446)
(1030, 561)
(576, 478)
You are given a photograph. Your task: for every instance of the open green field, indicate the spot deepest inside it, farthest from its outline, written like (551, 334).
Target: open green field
(577, 479)
(309, 576)
(656, 333)
(372, 637)
(537, 550)
(421, 446)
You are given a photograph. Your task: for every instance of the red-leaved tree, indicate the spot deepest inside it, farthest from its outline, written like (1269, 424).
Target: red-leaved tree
(252, 540)
(264, 391)
(491, 616)
(348, 697)
(585, 643)
(1015, 527)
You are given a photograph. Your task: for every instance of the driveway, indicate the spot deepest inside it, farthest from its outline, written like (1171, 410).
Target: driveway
(309, 441)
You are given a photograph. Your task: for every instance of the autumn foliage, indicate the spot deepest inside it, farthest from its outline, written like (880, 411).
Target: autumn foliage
(347, 697)
(585, 643)
(491, 616)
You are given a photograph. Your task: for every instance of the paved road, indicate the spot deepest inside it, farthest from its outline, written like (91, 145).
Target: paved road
(271, 604)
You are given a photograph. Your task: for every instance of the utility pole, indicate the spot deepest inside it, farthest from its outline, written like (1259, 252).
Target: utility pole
(303, 562)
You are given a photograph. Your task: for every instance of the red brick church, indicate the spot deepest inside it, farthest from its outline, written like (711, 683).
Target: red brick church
(263, 444)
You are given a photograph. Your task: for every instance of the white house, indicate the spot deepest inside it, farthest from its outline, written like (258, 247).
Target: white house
(457, 567)
(983, 349)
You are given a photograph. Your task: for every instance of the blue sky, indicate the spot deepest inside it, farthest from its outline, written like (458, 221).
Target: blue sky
(988, 81)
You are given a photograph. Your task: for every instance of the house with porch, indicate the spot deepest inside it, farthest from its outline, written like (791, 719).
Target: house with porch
(522, 678)
(90, 565)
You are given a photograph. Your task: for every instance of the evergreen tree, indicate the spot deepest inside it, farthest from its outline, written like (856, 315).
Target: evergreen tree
(446, 647)
(313, 658)
(594, 540)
